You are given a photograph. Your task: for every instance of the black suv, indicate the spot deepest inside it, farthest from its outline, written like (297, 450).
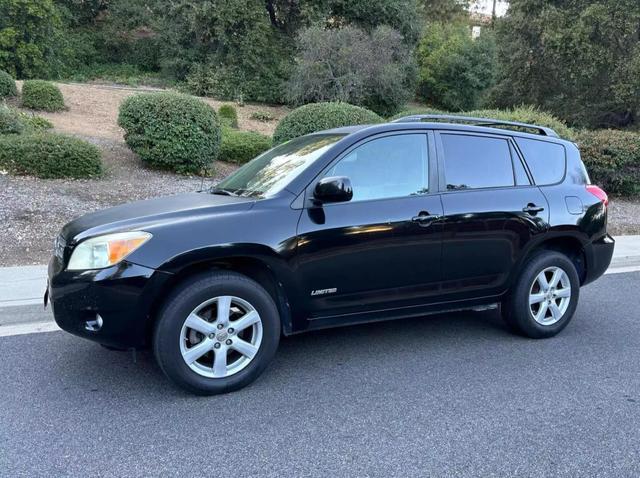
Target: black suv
(350, 225)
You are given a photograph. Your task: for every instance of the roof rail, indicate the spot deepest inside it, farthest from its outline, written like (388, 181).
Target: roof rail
(541, 130)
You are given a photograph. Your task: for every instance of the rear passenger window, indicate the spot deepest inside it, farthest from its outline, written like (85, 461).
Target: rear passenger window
(476, 162)
(546, 160)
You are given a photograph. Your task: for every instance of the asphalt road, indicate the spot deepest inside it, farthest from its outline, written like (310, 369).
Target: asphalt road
(453, 395)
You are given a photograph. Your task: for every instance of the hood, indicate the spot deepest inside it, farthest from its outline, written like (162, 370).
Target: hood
(151, 213)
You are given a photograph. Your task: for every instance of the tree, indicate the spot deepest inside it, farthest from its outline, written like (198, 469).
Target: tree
(29, 30)
(374, 70)
(578, 59)
(454, 70)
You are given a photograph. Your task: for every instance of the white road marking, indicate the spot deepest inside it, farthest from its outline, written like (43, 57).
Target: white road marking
(29, 328)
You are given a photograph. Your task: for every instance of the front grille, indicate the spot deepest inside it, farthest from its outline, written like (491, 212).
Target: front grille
(58, 247)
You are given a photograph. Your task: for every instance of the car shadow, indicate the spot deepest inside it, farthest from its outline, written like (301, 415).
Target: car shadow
(87, 368)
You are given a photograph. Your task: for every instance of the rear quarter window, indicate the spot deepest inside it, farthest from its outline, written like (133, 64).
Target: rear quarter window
(547, 161)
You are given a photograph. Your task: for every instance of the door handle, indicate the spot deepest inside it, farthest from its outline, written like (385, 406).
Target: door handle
(424, 218)
(532, 209)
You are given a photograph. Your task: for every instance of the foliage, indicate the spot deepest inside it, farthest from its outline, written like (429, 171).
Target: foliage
(228, 50)
(49, 155)
(320, 116)
(612, 159)
(10, 122)
(33, 122)
(171, 131)
(400, 15)
(42, 95)
(120, 73)
(527, 114)
(14, 121)
(373, 70)
(445, 11)
(454, 70)
(29, 31)
(579, 59)
(7, 85)
(262, 115)
(242, 146)
(228, 116)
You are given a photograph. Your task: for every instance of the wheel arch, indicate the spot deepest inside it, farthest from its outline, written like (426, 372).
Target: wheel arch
(568, 244)
(258, 269)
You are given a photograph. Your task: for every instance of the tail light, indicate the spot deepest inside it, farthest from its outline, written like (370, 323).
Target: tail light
(599, 193)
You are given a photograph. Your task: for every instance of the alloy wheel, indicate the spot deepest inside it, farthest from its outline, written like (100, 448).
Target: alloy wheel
(549, 296)
(221, 336)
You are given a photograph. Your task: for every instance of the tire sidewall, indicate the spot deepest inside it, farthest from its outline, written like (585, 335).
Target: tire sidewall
(185, 299)
(520, 308)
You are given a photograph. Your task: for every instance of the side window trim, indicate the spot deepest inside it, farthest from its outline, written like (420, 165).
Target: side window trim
(431, 181)
(442, 183)
(519, 157)
(524, 160)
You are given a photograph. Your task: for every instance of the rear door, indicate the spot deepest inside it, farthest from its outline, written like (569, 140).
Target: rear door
(491, 211)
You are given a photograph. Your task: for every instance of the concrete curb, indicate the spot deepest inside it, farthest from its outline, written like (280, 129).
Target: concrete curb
(25, 285)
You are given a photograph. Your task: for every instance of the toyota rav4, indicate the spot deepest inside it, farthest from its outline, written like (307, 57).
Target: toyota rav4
(356, 224)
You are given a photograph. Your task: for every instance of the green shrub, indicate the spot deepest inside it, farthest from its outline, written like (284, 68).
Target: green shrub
(34, 122)
(320, 116)
(263, 116)
(228, 116)
(7, 85)
(454, 69)
(242, 146)
(49, 155)
(171, 131)
(526, 114)
(613, 159)
(10, 121)
(373, 69)
(42, 95)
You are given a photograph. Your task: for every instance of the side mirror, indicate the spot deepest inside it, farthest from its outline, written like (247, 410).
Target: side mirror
(333, 189)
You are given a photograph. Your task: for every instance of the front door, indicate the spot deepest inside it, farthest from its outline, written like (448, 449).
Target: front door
(381, 250)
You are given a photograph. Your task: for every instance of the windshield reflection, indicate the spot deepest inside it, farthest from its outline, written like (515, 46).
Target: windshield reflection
(270, 172)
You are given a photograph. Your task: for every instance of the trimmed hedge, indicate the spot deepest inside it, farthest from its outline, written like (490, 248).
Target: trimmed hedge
(612, 158)
(42, 95)
(49, 156)
(228, 116)
(242, 146)
(171, 131)
(7, 85)
(10, 121)
(320, 116)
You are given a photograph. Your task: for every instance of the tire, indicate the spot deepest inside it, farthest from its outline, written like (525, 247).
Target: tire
(533, 319)
(175, 341)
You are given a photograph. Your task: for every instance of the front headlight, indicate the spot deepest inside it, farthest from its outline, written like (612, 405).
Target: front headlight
(104, 251)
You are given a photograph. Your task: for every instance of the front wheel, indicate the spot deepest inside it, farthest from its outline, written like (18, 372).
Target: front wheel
(545, 296)
(216, 333)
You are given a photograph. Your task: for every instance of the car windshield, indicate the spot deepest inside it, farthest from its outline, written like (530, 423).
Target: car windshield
(270, 172)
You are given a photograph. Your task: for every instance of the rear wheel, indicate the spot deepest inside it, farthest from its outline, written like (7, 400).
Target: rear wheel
(216, 333)
(544, 297)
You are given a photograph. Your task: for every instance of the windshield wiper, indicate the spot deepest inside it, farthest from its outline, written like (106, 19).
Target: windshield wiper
(223, 192)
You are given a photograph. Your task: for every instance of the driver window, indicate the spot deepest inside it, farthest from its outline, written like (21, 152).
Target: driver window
(388, 167)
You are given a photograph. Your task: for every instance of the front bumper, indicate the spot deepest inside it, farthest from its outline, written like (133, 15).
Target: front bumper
(122, 295)
(598, 255)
